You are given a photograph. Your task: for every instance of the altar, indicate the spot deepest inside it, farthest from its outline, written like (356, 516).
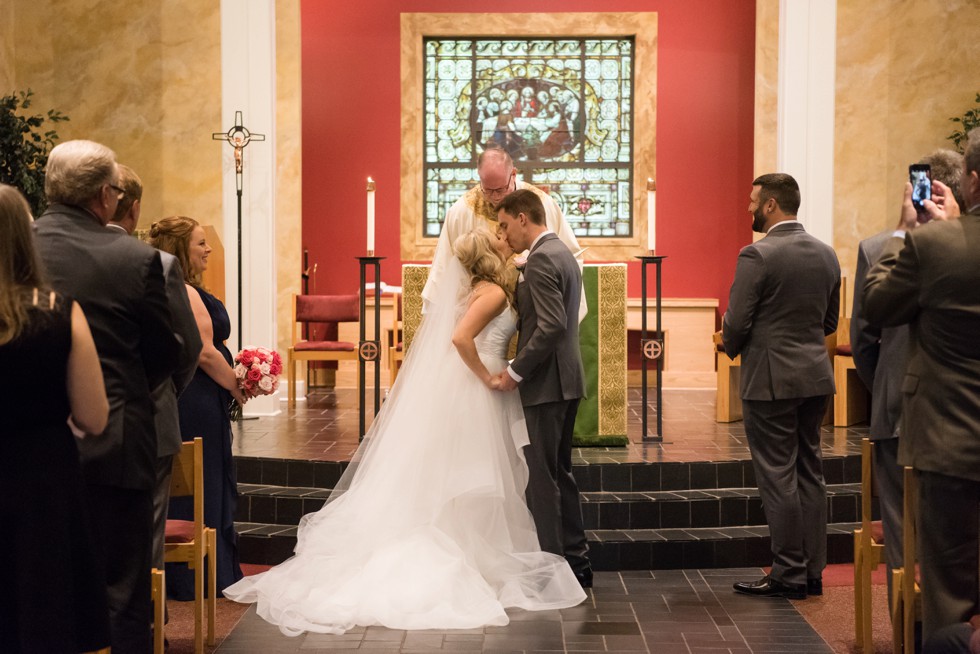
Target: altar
(602, 338)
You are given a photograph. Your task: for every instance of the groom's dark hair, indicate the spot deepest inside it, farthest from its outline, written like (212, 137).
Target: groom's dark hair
(525, 202)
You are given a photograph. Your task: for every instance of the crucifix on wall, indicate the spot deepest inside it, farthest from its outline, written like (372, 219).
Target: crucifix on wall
(238, 137)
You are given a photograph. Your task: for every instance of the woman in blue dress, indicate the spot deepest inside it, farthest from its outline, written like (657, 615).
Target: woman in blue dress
(204, 405)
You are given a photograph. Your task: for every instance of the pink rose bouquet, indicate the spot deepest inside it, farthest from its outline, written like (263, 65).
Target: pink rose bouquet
(257, 370)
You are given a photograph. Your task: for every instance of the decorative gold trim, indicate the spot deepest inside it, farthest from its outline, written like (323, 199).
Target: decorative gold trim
(641, 25)
(612, 348)
(414, 277)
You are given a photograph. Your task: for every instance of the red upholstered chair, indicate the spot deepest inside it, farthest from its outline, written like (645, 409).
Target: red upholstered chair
(189, 541)
(320, 309)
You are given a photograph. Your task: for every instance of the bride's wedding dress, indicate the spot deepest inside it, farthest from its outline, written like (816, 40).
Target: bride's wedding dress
(428, 528)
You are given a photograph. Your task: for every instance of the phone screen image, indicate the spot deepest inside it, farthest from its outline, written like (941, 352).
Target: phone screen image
(920, 177)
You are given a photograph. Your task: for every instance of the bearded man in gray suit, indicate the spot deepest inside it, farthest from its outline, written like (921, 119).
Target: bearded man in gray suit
(928, 276)
(784, 301)
(548, 371)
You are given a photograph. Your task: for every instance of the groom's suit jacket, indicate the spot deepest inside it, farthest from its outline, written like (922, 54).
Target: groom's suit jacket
(118, 281)
(548, 296)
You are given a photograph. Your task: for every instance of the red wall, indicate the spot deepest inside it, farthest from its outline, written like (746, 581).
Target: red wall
(705, 101)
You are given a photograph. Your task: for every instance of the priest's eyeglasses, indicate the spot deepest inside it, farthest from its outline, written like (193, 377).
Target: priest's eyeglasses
(503, 190)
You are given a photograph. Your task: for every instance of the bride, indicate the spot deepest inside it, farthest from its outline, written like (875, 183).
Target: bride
(428, 527)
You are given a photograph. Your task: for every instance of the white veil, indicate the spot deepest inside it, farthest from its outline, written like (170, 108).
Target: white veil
(426, 380)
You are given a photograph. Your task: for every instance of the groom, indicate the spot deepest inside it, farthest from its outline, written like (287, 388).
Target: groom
(548, 368)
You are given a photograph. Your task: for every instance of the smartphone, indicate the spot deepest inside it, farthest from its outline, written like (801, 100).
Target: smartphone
(920, 175)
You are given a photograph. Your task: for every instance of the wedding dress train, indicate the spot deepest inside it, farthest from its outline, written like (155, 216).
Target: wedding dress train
(428, 528)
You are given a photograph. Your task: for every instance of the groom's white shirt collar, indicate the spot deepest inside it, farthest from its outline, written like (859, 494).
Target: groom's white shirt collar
(540, 236)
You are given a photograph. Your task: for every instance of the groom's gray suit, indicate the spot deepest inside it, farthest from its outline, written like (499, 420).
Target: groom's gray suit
(550, 365)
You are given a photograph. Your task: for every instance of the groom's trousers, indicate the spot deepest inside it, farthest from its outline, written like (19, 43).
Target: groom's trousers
(552, 494)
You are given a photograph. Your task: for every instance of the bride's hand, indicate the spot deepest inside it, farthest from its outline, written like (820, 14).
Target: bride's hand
(493, 383)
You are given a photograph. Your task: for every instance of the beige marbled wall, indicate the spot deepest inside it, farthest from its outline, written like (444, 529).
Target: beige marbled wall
(8, 81)
(903, 69)
(145, 81)
(766, 85)
(289, 165)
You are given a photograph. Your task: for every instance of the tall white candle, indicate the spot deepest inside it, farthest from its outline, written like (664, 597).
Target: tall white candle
(370, 217)
(651, 214)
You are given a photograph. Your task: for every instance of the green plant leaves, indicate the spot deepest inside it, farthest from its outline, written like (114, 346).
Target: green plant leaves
(23, 149)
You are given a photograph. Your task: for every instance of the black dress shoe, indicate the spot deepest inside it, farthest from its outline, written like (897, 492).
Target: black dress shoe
(769, 587)
(584, 577)
(814, 586)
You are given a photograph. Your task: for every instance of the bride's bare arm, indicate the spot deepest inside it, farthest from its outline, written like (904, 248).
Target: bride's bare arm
(487, 303)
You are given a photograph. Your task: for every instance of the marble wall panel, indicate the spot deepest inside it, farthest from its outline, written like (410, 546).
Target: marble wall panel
(8, 80)
(289, 165)
(766, 84)
(903, 69)
(145, 81)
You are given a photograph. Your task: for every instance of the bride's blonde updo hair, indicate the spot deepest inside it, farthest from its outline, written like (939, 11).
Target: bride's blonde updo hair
(476, 251)
(173, 235)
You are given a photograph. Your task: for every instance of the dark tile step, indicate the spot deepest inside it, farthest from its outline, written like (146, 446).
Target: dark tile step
(591, 477)
(729, 507)
(641, 549)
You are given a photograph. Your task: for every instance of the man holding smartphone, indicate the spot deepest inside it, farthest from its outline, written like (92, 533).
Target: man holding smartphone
(928, 278)
(880, 357)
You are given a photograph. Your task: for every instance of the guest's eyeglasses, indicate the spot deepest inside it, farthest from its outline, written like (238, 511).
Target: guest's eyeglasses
(120, 194)
(503, 190)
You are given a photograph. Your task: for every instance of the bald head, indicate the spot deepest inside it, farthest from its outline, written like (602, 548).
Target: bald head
(498, 177)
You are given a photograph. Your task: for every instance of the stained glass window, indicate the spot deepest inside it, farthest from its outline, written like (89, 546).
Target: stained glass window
(563, 109)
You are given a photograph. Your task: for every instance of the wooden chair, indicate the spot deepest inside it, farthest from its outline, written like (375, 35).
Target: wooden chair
(869, 551)
(728, 401)
(320, 309)
(189, 541)
(905, 601)
(396, 350)
(852, 400)
(159, 592)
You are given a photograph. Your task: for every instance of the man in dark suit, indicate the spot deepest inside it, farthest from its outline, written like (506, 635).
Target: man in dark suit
(880, 356)
(119, 283)
(548, 371)
(165, 395)
(929, 277)
(784, 301)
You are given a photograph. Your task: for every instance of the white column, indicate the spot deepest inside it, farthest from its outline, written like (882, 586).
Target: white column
(248, 84)
(805, 125)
